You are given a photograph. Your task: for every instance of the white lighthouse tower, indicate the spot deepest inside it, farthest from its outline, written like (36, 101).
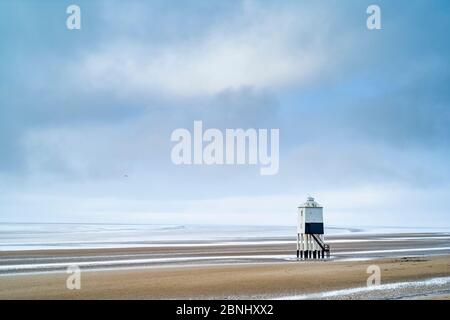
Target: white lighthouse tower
(310, 231)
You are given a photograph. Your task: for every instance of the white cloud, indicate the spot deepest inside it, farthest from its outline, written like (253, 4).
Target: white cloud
(259, 48)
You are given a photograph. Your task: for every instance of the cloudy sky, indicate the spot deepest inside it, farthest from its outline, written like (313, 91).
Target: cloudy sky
(86, 115)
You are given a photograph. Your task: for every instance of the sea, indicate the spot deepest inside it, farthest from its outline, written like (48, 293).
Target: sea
(45, 236)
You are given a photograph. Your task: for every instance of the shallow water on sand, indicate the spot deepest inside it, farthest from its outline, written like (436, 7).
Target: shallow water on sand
(38, 236)
(399, 290)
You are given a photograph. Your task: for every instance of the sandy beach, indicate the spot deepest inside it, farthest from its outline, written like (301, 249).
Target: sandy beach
(273, 280)
(413, 266)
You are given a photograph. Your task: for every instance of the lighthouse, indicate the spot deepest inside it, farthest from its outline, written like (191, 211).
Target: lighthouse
(310, 231)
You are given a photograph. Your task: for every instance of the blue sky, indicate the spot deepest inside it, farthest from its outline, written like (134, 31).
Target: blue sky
(363, 115)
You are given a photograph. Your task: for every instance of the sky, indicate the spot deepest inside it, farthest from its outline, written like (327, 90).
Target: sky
(86, 115)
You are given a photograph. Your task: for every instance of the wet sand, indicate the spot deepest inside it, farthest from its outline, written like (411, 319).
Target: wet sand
(244, 269)
(243, 251)
(253, 281)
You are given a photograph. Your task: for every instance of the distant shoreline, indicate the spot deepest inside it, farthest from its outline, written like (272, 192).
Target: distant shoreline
(62, 236)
